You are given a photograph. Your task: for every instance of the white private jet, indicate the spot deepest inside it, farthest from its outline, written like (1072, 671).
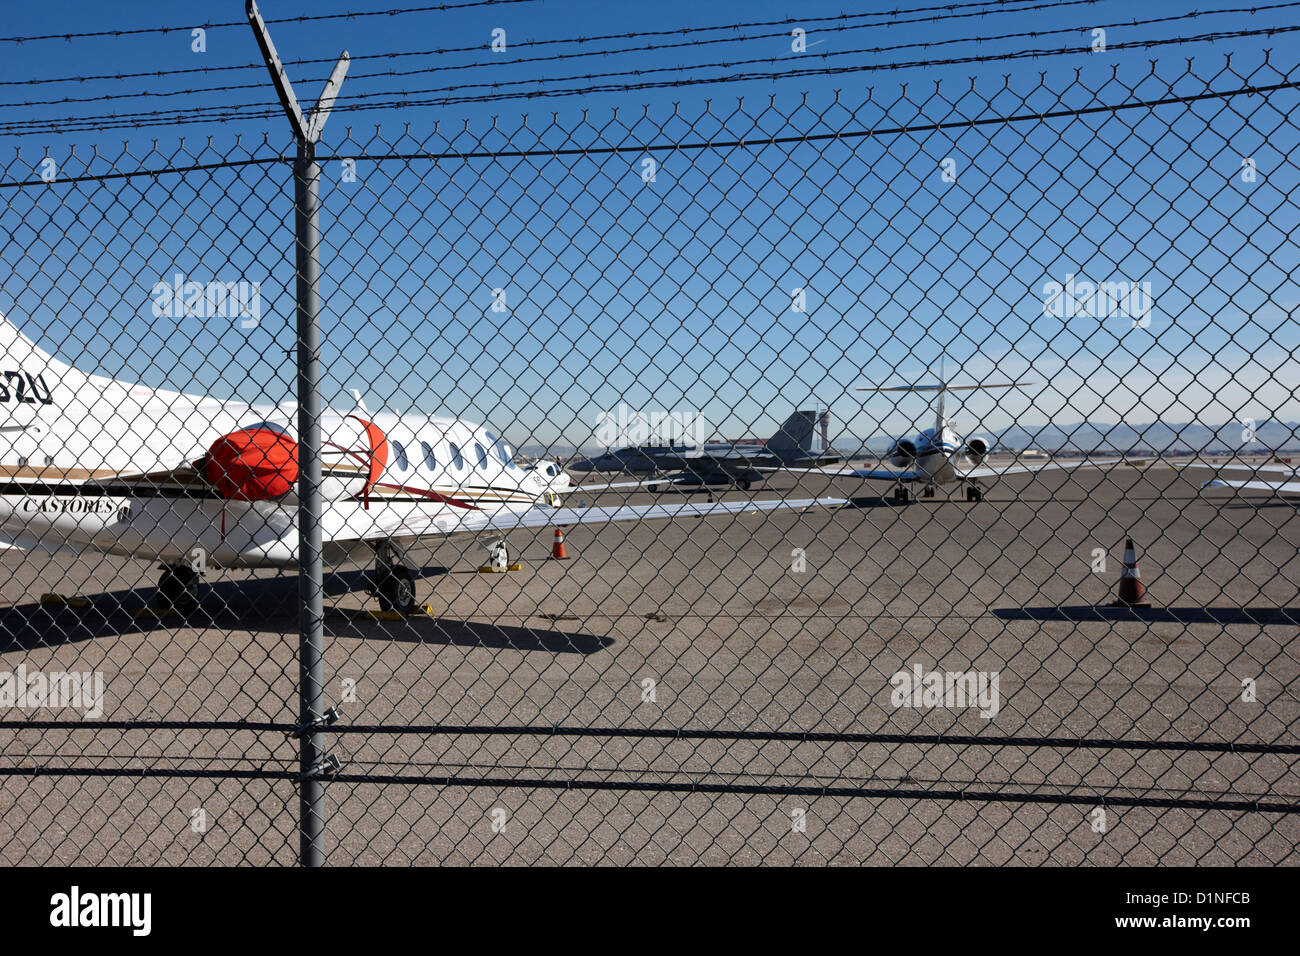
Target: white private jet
(550, 476)
(937, 456)
(89, 463)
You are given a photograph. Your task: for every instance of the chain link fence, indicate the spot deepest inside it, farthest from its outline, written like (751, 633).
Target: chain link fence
(775, 635)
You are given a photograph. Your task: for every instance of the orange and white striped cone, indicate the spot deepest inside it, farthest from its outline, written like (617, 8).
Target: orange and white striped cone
(557, 549)
(1131, 591)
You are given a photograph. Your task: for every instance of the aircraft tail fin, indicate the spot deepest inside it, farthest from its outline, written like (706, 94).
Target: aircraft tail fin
(796, 435)
(28, 375)
(18, 351)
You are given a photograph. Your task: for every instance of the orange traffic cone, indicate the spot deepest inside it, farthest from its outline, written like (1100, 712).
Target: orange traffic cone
(1131, 591)
(557, 549)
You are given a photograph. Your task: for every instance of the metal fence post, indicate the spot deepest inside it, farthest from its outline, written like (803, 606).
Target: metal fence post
(311, 625)
(306, 178)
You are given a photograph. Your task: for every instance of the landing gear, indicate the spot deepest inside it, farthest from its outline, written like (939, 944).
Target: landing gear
(652, 488)
(396, 590)
(498, 557)
(901, 496)
(394, 583)
(974, 493)
(928, 491)
(746, 485)
(178, 589)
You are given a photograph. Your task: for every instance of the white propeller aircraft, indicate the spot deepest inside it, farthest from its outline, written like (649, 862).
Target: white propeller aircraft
(937, 456)
(89, 463)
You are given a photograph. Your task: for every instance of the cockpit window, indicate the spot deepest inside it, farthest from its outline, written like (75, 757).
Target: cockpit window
(500, 450)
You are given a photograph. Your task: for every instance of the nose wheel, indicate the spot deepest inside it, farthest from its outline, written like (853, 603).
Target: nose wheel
(901, 495)
(974, 493)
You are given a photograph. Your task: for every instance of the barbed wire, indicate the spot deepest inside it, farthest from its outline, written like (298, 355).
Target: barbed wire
(724, 64)
(305, 18)
(225, 114)
(501, 61)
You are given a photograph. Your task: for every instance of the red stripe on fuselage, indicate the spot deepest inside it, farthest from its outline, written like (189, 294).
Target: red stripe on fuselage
(426, 493)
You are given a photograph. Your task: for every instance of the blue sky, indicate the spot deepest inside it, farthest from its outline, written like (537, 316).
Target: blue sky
(676, 294)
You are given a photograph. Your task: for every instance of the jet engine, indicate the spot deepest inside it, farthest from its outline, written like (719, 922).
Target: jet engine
(977, 449)
(903, 454)
(253, 463)
(260, 461)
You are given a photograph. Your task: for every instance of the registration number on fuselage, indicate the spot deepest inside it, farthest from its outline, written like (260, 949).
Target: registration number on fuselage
(24, 388)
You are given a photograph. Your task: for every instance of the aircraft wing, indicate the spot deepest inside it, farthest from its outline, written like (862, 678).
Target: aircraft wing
(1260, 480)
(998, 471)
(418, 521)
(609, 486)
(1277, 487)
(813, 463)
(886, 475)
(1292, 471)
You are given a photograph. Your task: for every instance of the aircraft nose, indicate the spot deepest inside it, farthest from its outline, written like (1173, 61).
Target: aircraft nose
(252, 464)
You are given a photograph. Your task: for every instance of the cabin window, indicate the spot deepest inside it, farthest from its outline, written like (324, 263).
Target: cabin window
(403, 463)
(430, 458)
(457, 458)
(481, 454)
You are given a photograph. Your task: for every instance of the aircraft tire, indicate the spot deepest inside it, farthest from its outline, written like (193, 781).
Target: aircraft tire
(178, 589)
(396, 591)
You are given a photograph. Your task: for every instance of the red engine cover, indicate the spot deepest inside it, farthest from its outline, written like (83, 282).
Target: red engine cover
(252, 464)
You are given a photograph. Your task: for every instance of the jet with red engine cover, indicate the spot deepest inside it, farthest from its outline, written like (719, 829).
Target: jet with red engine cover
(92, 463)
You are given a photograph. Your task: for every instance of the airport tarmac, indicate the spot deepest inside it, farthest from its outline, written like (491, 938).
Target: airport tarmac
(717, 614)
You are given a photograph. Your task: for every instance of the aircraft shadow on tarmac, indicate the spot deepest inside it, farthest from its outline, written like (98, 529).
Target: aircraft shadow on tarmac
(269, 605)
(887, 501)
(1155, 615)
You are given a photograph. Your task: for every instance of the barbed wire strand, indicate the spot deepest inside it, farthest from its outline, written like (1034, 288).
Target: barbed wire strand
(214, 114)
(723, 64)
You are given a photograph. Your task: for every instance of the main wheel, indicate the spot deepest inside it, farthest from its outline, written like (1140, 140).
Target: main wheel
(928, 492)
(746, 485)
(652, 488)
(396, 591)
(900, 495)
(178, 589)
(974, 494)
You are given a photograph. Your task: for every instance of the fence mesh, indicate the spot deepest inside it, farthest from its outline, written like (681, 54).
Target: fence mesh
(777, 635)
